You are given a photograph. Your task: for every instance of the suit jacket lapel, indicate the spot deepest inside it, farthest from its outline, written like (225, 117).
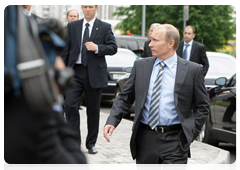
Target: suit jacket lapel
(181, 48)
(193, 50)
(145, 71)
(182, 70)
(96, 27)
(146, 74)
(79, 32)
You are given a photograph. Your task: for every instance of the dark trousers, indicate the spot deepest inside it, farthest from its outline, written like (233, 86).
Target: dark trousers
(159, 148)
(92, 99)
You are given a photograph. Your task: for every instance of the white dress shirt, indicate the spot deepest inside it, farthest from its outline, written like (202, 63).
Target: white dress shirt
(90, 31)
(167, 111)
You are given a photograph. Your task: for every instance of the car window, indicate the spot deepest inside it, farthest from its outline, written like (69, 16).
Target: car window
(123, 58)
(141, 43)
(232, 82)
(123, 43)
(132, 45)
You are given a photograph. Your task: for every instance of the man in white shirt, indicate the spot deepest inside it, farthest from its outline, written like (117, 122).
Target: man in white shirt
(87, 43)
(195, 51)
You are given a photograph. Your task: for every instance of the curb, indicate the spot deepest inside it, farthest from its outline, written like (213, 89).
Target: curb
(221, 162)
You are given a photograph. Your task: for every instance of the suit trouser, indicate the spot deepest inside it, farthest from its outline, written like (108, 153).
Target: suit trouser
(159, 148)
(92, 99)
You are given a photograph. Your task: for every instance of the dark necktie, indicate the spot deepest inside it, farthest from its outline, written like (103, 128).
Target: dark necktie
(84, 40)
(154, 106)
(184, 56)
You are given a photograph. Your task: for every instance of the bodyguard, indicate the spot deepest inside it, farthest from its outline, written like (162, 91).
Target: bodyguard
(88, 41)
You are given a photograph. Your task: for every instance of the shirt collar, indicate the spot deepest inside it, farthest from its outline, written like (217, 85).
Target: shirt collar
(190, 43)
(169, 62)
(90, 22)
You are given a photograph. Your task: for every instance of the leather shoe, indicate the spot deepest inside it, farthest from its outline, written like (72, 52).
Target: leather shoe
(92, 150)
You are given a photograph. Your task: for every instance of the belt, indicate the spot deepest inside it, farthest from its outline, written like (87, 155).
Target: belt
(162, 129)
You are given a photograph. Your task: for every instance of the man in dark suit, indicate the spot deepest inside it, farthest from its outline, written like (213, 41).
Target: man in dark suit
(72, 15)
(147, 51)
(195, 51)
(181, 106)
(89, 63)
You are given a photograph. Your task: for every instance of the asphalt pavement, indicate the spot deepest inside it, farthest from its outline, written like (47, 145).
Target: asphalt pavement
(117, 151)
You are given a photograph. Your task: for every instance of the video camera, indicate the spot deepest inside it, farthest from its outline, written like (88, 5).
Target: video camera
(31, 49)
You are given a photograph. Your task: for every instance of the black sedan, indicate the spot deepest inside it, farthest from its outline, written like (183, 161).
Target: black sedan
(221, 122)
(116, 65)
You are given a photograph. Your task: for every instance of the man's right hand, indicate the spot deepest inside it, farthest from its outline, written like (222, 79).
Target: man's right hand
(108, 129)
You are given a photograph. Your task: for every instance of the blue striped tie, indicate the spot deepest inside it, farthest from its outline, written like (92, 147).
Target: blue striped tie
(154, 106)
(84, 49)
(184, 56)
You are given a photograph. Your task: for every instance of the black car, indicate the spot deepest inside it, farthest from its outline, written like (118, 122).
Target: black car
(116, 65)
(220, 125)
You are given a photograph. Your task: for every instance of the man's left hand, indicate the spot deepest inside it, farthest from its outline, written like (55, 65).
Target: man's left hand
(91, 46)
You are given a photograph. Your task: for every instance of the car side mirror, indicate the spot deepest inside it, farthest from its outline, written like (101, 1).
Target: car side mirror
(221, 81)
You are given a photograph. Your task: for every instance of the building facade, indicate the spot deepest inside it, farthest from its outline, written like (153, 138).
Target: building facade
(60, 11)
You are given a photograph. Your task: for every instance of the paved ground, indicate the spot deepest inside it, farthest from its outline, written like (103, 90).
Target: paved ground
(118, 150)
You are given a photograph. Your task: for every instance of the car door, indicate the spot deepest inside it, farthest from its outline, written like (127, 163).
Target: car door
(224, 112)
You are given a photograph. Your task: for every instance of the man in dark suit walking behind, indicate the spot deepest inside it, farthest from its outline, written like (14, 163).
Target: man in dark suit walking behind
(171, 103)
(72, 15)
(195, 51)
(87, 43)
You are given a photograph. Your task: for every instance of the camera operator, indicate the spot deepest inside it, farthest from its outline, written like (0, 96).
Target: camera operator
(34, 135)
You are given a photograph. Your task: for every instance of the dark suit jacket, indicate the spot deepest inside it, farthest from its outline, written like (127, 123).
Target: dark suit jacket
(101, 35)
(190, 97)
(198, 55)
(147, 50)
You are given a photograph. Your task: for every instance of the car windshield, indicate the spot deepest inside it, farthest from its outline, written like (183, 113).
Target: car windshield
(221, 66)
(123, 58)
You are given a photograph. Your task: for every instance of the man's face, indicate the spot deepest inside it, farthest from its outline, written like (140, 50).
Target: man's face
(89, 11)
(151, 30)
(72, 16)
(158, 45)
(188, 34)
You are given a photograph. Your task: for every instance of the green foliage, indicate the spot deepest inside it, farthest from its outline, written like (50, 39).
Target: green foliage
(233, 53)
(213, 23)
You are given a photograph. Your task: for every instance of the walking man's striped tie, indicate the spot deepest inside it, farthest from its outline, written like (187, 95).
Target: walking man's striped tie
(154, 106)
